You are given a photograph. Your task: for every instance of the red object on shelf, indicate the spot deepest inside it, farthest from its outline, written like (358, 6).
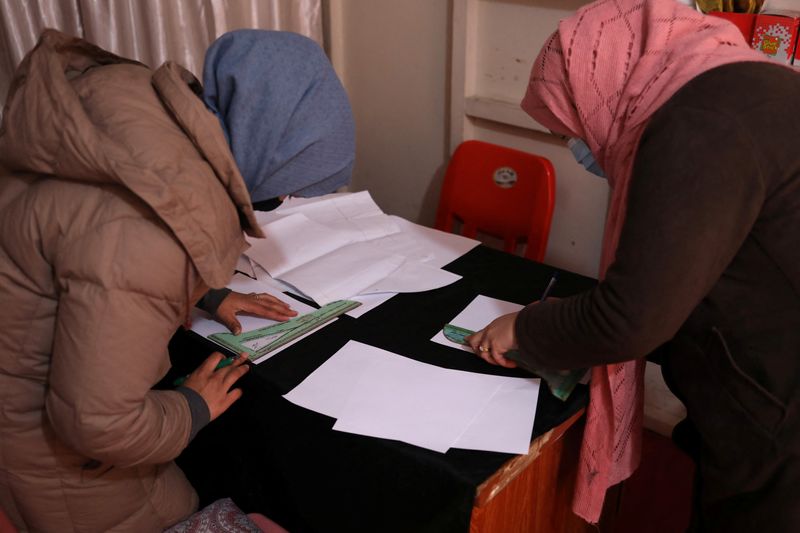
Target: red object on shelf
(775, 34)
(744, 21)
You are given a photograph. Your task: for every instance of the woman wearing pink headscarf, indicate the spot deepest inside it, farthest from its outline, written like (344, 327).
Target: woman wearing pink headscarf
(697, 135)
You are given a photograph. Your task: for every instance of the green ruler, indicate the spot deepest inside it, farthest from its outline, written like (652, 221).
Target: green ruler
(560, 382)
(259, 342)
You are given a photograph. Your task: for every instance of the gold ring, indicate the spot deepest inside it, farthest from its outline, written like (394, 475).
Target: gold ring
(483, 348)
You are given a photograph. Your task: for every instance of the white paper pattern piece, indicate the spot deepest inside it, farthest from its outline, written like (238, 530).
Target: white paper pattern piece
(368, 303)
(355, 214)
(412, 277)
(425, 405)
(341, 245)
(343, 273)
(477, 315)
(433, 247)
(293, 241)
(504, 424)
(377, 393)
(326, 389)
(244, 266)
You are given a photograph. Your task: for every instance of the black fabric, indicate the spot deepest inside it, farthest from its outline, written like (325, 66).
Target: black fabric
(267, 205)
(279, 459)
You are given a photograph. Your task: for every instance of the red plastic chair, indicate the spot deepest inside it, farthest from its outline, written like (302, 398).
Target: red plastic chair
(499, 191)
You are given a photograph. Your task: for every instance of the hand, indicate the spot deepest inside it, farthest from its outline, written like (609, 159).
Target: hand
(214, 385)
(255, 303)
(492, 342)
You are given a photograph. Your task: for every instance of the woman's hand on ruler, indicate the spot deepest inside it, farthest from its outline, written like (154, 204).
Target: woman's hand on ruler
(214, 385)
(257, 303)
(492, 342)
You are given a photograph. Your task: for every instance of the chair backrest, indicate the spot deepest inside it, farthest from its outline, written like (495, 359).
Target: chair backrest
(499, 191)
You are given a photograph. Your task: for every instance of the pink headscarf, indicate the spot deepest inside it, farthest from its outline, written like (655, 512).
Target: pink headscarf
(600, 77)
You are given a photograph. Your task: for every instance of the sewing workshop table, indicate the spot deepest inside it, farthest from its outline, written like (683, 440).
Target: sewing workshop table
(286, 462)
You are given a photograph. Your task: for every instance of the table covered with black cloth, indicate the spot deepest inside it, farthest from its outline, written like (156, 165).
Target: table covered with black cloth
(286, 462)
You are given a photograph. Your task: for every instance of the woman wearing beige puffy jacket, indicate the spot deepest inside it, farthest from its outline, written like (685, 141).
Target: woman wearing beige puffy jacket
(120, 204)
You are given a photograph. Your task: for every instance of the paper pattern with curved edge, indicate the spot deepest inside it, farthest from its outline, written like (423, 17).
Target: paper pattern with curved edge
(413, 277)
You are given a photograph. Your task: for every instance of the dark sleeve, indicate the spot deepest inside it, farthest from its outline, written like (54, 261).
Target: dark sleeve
(198, 407)
(211, 300)
(696, 191)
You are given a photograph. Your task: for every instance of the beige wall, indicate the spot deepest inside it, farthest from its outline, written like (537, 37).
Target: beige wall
(392, 57)
(394, 60)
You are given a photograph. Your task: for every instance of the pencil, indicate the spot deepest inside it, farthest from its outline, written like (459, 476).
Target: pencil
(222, 364)
(549, 287)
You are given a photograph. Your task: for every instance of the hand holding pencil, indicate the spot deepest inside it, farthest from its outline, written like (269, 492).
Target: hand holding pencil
(498, 338)
(213, 380)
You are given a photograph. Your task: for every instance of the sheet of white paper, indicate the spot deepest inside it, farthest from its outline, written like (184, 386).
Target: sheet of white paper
(428, 245)
(327, 388)
(413, 276)
(413, 241)
(366, 229)
(343, 273)
(506, 421)
(244, 266)
(301, 251)
(477, 315)
(368, 303)
(333, 207)
(355, 214)
(375, 392)
(402, 399)
(293, 241)
(204, 325)
(264, 277)
(291, 202)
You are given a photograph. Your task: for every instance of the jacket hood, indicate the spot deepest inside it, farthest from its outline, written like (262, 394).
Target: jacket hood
(77, 112)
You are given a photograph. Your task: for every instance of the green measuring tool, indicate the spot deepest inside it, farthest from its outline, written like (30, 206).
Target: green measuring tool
(560, 382)
(261, 341)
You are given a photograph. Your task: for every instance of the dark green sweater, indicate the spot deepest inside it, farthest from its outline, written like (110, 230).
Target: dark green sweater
(708, 268)
(711, 237)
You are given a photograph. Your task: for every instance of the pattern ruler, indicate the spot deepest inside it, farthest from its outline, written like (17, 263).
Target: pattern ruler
(261, 341)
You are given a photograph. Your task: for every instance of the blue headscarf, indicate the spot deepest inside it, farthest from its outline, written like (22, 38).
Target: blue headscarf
(285, 113)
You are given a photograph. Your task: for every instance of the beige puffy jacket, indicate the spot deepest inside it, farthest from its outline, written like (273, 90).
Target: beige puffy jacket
(118, 195)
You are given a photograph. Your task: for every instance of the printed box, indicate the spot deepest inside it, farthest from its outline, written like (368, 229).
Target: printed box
(775, 34)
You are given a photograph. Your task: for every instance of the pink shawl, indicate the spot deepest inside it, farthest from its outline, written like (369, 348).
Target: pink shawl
(600, 77)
